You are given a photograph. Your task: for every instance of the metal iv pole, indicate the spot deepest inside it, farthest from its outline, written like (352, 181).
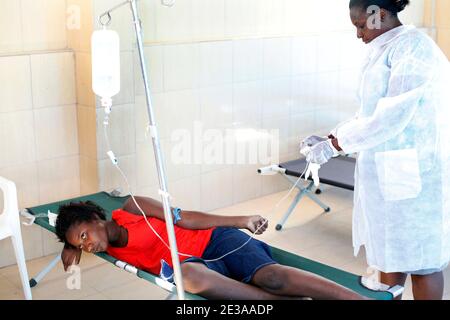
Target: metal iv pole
(156, 146)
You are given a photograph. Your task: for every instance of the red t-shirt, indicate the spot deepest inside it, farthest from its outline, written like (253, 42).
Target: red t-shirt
(145, 250)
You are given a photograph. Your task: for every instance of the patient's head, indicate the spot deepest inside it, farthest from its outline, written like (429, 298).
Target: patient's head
(82, 225)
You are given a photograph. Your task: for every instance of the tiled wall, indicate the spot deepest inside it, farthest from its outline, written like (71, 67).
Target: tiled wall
(259, 64)
(38, 121)
(441, 22)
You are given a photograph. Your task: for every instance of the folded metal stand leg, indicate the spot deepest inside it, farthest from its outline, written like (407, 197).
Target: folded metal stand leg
(303, 191)
(35, 280)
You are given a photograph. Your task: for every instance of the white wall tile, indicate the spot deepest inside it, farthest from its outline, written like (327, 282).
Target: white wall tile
(216, 63)
(279, 125)
(247, 60)
(294, 15)
(208, 17)
(304, 93)
(58, 179)
(126, 94)
(276, 97)
(273, 17)
(53, 79)
(110, 177)
(186, 193)
(301, 126)
(327, 119)
(242, 18)
(328, 53)
(247, 183)
(353, 51)
(247, 102)
(17, 138)
(413, 14)
(174, 23)
(176, 110)
(216, 105)
(176, 168)
(304, 55)
(25, 176)
(154, 62)
(10, 26)
(120, 131)
(217, 189)
(348, 88)
(277, 57)
(178, 165)
(146, 173)
(56, 132)
(147, 11)
(328, 90)
(44, 24)
(50, 243)
(15, 77)
(181, 67)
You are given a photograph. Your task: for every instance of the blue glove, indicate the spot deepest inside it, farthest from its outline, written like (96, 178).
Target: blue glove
(321, 152)
(308, 142)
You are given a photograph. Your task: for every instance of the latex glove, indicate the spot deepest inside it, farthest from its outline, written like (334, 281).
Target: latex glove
(313, 170)
(322, 152)
(308, 142)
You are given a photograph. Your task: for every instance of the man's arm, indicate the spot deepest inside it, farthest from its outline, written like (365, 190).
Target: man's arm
(196, 220)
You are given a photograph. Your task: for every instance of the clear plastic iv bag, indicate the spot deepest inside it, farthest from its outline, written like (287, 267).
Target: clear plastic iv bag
(105, 64)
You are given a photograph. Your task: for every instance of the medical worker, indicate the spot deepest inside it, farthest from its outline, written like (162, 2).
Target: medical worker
(401, 135)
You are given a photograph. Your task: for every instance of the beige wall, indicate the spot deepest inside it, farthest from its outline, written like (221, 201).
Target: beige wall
(259, 64)
(38, 116)
(441, 22)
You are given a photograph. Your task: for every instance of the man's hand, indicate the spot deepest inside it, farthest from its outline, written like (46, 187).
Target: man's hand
(254, 223)
(70, 256)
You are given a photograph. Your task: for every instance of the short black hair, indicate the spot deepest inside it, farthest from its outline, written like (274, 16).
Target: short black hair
(75, 213)
(393, 6)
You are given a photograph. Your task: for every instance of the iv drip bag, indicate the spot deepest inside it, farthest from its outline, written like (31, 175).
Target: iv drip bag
(105, 64)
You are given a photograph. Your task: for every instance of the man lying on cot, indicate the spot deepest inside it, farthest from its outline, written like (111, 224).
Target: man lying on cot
(248, 273)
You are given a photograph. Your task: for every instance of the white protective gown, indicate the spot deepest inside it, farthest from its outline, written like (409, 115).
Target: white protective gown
(402, 137)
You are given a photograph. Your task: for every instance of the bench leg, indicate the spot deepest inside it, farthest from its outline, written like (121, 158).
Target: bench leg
(35, 280)
(302, 192)
(294, 203)
(314, 198)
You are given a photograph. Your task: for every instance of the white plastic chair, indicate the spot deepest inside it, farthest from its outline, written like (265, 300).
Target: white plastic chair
(10, 227)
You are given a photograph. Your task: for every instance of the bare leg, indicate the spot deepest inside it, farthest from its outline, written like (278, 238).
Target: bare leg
(428, 287)
(198, 279)
(288, 281)
(393, 279)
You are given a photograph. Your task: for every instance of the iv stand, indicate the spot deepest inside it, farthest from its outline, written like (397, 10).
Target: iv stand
(156, 146)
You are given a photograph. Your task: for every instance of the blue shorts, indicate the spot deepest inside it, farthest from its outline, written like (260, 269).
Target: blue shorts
(240, 265)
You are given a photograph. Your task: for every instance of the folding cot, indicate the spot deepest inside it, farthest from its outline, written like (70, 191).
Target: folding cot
(111, 202)
(338, 172)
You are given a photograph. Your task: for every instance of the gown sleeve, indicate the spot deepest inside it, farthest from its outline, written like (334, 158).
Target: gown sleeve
(411, 74)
